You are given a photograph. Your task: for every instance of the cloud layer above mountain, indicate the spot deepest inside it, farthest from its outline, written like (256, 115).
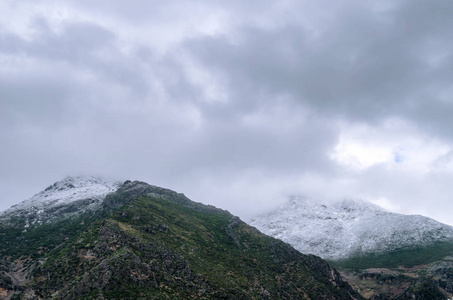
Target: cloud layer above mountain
(237, 104)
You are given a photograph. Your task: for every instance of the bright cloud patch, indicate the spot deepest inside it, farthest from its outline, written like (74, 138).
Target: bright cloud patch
(393, 143)
(358, 155)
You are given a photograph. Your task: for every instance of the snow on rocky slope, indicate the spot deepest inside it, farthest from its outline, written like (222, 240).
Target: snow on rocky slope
(66, 197)
(349, 227)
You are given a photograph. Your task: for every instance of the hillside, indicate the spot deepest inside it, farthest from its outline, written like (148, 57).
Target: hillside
(146, 242)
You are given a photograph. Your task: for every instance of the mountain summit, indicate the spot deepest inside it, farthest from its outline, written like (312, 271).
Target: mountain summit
(68, 190)
(67, 197)
(347, 228)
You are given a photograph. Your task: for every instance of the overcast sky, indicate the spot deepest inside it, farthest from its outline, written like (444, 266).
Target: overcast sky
(238, 104)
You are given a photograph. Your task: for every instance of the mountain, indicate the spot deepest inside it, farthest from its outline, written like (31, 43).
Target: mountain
(90, 239)
(381, 254)
(348, 228)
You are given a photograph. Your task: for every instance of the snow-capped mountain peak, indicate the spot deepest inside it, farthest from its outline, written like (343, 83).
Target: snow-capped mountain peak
(75, 188)
(337, 230)
(82, 192)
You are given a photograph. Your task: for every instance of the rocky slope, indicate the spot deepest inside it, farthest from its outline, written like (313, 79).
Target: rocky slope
(146, 242)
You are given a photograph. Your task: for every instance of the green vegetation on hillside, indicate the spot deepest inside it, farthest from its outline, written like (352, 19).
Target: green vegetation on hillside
(17, 241)
(406, 257)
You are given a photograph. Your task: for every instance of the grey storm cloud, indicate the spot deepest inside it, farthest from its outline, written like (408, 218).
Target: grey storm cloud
(363, 65)
(235, 104)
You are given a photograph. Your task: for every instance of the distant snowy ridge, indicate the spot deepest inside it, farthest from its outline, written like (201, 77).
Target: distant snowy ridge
(66, 197)
(345, 228)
